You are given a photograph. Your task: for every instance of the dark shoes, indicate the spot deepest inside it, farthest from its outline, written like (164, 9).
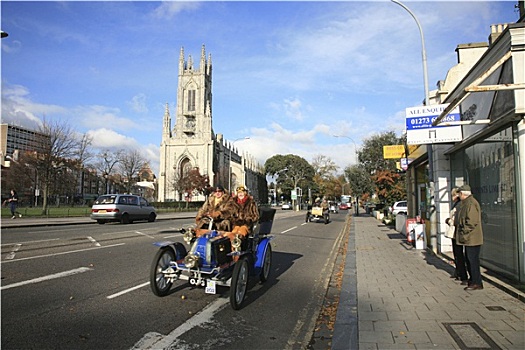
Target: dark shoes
(474, 287)
(464, 283)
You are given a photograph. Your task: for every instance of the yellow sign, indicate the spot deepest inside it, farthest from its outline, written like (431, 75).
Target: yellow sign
(397, 151)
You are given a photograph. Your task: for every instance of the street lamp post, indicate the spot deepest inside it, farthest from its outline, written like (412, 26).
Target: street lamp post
(432, 211)
(230, 160)
(355, 146)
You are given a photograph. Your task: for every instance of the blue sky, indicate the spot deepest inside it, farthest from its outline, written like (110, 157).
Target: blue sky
(288, 75)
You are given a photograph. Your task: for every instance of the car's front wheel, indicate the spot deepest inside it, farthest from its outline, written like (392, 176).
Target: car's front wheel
(239, 283)
(158, 282)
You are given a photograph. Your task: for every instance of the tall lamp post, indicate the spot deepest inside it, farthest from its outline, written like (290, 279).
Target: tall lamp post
(230, 161)
(432, 211)
(355, 146)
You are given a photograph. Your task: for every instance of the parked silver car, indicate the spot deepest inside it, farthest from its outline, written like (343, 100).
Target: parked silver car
(124, 208)
(399, 208)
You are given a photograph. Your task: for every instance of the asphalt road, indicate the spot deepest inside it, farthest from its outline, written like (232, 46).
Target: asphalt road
(86, 287)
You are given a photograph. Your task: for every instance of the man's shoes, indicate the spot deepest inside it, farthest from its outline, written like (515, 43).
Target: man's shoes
(464, 283)
(474, 287)
(13, 217)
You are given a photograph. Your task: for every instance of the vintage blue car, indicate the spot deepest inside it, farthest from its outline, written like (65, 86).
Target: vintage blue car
(213, 260)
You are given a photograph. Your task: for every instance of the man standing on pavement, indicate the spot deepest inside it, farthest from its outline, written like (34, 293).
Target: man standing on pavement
(470, 234)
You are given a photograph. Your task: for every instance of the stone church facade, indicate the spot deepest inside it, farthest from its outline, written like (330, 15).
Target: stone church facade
(192, 144)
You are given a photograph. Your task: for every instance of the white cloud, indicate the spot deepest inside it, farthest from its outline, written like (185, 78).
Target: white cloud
(168, 9)
(19, 109)
(104, 116)
(138, 103)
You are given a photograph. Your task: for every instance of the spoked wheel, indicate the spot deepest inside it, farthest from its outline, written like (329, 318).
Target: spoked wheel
(267, 264)
(158, 282)
(239, 283)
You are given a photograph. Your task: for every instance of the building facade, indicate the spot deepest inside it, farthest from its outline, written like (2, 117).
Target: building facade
(191, 142)
(490, 94)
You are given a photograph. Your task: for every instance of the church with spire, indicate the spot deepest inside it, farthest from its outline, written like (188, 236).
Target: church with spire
(191, 142)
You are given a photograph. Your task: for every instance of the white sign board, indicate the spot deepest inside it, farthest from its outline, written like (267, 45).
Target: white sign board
(420, 130)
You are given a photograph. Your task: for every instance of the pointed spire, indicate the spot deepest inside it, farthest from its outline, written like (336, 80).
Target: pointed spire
(181, 60)
(166, 130)
(190, 62)
(208, 65)
(203, 58)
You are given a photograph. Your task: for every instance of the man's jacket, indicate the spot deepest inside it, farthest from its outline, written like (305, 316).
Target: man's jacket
(469, 231)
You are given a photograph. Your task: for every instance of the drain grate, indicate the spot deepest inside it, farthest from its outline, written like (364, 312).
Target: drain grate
(470, 336)
(496, 308)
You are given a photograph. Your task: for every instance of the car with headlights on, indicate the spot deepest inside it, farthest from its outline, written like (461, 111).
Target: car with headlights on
(123, 208)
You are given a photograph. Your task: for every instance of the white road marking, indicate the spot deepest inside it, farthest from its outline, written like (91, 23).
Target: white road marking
(13, 251)
(92, 240)
(126, 291)
(293, 228)
(154, 340)
(144, 234)
(55, 254)
(41, 240)
(49, 277)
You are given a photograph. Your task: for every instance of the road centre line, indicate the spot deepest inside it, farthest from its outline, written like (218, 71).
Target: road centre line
(292, 228)
(38, 241)
(12, 253)
(48, 277)
(94, 241)
(62, 253)
(127, 291)
(144, 234)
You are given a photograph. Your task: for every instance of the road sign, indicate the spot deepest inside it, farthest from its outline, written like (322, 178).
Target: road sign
(420, 130)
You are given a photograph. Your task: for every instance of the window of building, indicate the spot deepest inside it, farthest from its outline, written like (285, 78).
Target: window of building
(489, 168)
(191, 100)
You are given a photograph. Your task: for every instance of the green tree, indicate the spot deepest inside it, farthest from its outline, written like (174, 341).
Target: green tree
(359, 181)
(371, 154)
(290, 171)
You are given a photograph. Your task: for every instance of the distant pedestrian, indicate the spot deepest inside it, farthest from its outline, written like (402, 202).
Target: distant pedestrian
(458, 251)
(12, 202)
(470, 234)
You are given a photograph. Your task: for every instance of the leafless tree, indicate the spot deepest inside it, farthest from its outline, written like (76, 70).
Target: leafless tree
(83, 157)
(131, 162)
(106, 164)
(56, 147)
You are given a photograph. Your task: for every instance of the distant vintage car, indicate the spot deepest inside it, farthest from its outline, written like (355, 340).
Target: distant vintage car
(123, 208)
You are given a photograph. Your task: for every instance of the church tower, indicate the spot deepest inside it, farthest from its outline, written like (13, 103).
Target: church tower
(191, 143)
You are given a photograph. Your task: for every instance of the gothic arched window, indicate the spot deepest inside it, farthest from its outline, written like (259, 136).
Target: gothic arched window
(185, 167)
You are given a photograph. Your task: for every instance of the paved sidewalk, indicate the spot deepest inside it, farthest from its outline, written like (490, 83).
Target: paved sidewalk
(396, 297)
